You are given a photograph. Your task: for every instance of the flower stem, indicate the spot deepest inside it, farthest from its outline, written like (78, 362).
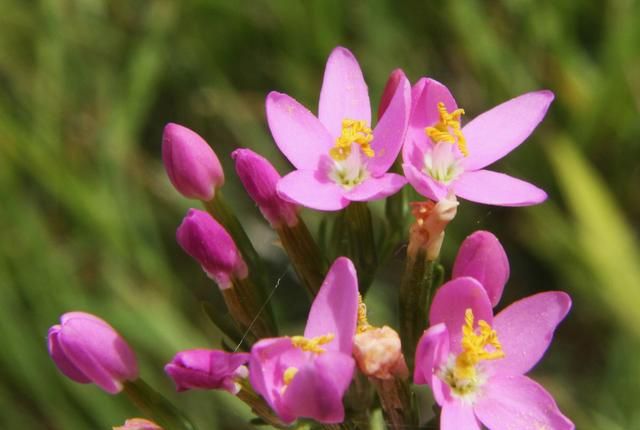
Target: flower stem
(395, 399)
(360, 242)
(259, 406)
(155, 406)
(415, 290)
(240, 299)
(304, 254)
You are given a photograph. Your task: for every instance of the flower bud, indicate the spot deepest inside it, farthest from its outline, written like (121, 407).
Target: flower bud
(395, 78)
(87, 349)
(191, 164)
(378, 353)
(138, 424)
(431, 220)
(208, 370)
(260, 178)
(208, 242)
(482, 257)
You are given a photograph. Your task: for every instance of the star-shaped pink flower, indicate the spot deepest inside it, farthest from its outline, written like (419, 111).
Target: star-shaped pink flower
(441, 157)
(337, 156)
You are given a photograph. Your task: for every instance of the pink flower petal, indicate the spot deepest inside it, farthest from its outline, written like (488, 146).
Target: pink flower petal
(458, 416)
(424, 184)
(493, 188)
(377, 188)
(525, 329)
(335, 308)
(482, 257)
(60, 359)
(389, 134)
(305, 188)
(431, 353)
(452, 300)
(344, 93)
(426, 94)
(297, 132)
(317, 388)
(517, 402)
(500, 130)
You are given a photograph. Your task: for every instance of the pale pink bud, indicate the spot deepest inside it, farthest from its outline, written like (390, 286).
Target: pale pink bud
(208, 369)
(138, 424)
(260, 178)
(431, 220)
(191, 164)
(395, 78)
(208, 242)
(88, 350)
(378, 353)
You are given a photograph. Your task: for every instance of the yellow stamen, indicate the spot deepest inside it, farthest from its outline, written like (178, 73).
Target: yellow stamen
(288, 375)
(473, 347)
(313, 344)
(353, 131)
(448, 129)
(363, 322)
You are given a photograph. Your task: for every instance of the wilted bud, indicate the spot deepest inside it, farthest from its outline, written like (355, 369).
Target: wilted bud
(88, 350)
(482, 257)
(260, 178)
(431, 219)
(208, 370)
(378, 353)
(208, 242)
(138, 424)
(192, 166)
(396, 77)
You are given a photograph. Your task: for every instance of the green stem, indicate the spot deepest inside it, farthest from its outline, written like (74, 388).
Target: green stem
(259, 406)
(395, 398)
(360, 242)
(304, 254)
(155, 406)
(415, 290)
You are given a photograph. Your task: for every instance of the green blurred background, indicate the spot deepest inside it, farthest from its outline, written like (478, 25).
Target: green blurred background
(87, 216)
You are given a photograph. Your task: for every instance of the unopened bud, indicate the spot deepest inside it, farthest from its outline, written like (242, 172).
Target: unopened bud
(378, 353)
(208, 370)
(431, 219)
(86, 349)
(138, 424)
(208, 242)
(395, 78)
(191, 164)
(260, 178)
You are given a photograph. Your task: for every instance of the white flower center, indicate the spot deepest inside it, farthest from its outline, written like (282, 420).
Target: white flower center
(442, 163)
(351, 171)
(466, 389)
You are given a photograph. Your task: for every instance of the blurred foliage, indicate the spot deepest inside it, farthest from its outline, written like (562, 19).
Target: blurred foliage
(87, 216)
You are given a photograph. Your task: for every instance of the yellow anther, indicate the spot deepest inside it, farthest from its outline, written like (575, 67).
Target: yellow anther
(288, 375)
(473, 346)
(363, 322)
(448, 129)
(353, 131)
(313, 344)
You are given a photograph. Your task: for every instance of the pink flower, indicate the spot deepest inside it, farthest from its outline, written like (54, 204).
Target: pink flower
(482, 257)
(260, 179)
(475, 363)
(338, 158)
(442, 157)
(138, 424)
(204, 239)
(87, 349)
(208, 370)
(191, 164)
(306, 376)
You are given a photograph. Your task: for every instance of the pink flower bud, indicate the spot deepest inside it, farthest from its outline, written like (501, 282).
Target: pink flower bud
(378, 353)
(192, 166)
(260, 178)
(208, 242)
(395, 79)
(87, 349)
(138, 424)
(482, 257)
(208, 370)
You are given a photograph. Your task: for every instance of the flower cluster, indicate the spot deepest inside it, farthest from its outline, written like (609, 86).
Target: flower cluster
(449, 339)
